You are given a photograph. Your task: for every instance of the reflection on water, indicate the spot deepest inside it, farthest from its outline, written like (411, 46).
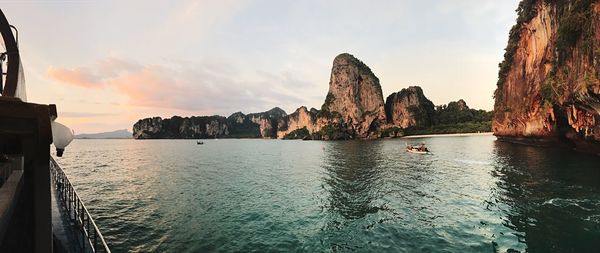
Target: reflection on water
(550, 196)
(352, 177)
(472, 194)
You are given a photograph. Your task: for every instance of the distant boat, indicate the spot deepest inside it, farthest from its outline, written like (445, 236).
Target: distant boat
(199, 142)
(416, 150)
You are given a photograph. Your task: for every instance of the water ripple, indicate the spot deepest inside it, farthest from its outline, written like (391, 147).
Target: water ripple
(473, 195)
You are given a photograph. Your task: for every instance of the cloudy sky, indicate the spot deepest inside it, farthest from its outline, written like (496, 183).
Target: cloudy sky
(107, 64)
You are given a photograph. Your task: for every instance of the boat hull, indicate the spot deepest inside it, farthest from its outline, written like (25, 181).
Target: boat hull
(416, 151)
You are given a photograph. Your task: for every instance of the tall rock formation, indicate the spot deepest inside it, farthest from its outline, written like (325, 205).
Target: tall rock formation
(353, 109)
(355, 94)
(548, 86)
(409, 108)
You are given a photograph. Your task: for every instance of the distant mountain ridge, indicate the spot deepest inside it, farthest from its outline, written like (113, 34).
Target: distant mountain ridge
(117, 134)
(354, 108)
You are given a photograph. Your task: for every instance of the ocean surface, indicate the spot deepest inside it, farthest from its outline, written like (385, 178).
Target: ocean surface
(471, 194)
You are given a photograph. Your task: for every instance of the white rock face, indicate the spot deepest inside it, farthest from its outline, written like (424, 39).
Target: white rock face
(215, 129)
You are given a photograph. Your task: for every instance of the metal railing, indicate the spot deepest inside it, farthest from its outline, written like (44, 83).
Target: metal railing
(77, 211)
(6, 168)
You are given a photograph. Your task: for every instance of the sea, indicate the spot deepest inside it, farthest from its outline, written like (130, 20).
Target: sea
(470, 194)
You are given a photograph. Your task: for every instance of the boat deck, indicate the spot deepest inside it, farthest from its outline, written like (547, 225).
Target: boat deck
(67, 237)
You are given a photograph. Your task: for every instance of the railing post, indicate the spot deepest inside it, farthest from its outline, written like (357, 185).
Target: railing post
(82, 216)
(75, 207)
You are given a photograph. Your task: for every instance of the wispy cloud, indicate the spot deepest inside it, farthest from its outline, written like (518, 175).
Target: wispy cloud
(77, 76)
(188, 87)
(199, 57)
(85, 114)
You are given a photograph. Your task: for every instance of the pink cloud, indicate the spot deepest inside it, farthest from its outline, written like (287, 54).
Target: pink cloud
(80, 76)
(181, 86)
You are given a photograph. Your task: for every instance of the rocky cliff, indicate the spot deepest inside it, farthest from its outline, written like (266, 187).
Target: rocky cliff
(353, 108)
(268, 121)
(409, 108)
(355, 96)
(181, 128)
(548, 86)
(238, 125)
(302, 118)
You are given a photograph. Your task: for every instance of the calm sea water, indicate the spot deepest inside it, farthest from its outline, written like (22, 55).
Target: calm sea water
(472, 194)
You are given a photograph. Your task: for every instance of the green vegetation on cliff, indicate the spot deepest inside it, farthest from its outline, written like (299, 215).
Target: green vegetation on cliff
(575, 24)
(362, 67)
(456, 117)
(526, 12)
(301, 133)
(467, 127)
(575, 34)
(332, 132)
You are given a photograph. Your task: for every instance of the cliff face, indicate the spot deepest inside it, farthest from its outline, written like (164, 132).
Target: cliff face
(355, 93)
(353, 108)
(181, 128)
(268, 121)
(238, 125)
(548, 84)
(147, 128)
(409, 108)
(301, 118)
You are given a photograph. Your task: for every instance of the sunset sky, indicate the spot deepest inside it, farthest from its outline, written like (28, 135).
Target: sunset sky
(106, 64)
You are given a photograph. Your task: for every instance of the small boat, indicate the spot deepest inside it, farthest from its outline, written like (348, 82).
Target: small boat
(199, 142)
(415, 150)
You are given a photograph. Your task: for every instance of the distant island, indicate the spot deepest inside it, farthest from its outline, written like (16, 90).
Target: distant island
(353, 109)
(118, 134)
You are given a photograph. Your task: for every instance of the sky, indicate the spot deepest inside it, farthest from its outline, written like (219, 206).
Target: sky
(107, 64)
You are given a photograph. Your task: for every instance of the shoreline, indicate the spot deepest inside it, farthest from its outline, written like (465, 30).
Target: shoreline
(258, 138)
(446, 135)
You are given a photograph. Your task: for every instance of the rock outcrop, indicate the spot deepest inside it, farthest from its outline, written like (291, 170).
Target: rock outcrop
(353, 109)
(181, 128)
(548, 87)
(302, 118)
(409, 108)
(147, 128)
(268, 121)
(238, 125)
(355, 94)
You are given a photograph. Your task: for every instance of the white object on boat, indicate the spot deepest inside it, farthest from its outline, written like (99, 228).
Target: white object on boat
(61, 137)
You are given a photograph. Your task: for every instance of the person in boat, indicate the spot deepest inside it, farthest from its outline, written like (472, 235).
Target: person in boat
(422, 148)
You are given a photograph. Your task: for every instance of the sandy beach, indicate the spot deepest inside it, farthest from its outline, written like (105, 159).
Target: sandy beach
(445, 135)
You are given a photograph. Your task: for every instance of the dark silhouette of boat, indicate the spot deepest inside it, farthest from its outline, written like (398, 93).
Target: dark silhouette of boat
(40, 211)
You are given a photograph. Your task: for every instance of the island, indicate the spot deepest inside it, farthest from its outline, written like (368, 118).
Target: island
(354, 108)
